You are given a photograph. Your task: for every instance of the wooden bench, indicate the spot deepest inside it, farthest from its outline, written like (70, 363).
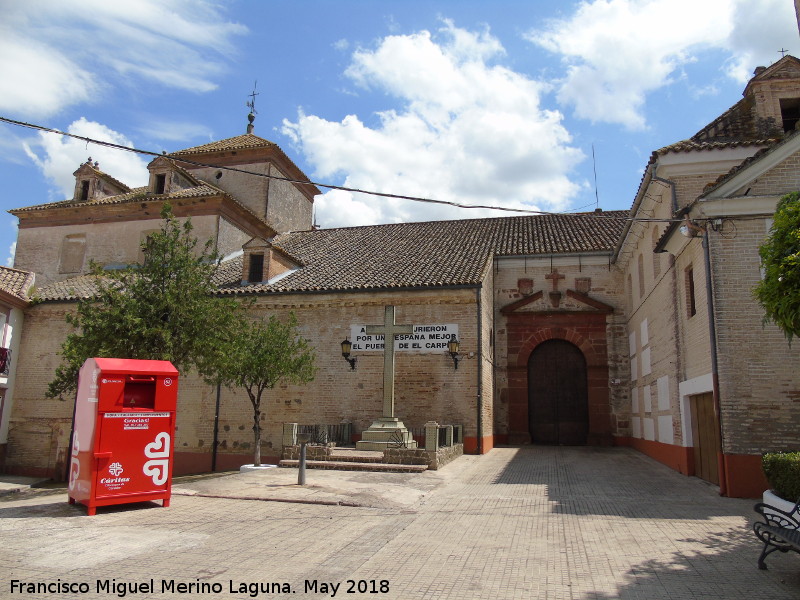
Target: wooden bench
(780, 530)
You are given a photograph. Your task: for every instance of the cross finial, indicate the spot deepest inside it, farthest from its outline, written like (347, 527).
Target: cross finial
(554, 276)
(783, 52)
(251, 104)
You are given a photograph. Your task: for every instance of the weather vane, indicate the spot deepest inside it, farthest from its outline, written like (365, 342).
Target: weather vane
(251, 104)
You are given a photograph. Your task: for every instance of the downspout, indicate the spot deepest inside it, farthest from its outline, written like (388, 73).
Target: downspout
(216, 433)
(712, 331)
(672, 187)
(478, 291)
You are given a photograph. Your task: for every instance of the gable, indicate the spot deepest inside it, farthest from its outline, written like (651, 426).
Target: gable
(568, 301)
(772, 171)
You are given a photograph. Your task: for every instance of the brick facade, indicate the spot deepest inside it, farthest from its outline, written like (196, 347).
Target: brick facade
(636, 305)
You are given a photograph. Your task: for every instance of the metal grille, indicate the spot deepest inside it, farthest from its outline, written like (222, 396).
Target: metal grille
(340, 434)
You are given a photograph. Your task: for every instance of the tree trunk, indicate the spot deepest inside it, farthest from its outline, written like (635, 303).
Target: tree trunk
(257, 431)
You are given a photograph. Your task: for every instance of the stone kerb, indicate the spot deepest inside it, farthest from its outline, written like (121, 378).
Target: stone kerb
(435, 459)
(433, 455)
(312, 452)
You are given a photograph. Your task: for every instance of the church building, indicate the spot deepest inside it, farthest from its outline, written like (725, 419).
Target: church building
(633, 328)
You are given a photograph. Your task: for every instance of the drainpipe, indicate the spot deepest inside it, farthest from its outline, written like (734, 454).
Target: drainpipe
(480, 368)
(712, 331)
(672, 187)
(216, 433)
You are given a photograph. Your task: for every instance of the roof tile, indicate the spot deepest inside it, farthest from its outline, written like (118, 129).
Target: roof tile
(16, 282)
(405, 255)
(240, 142)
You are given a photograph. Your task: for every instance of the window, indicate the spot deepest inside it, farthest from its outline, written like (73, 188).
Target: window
(656, 257)
(641, 276)
(84, 190)
(690, 297)
(630, 291)
(790, 113)
(161, 183)
(256, 270)
(73, 249)
(144, 240)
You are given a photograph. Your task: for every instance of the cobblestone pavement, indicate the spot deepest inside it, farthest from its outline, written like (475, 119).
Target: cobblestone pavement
(535, 522)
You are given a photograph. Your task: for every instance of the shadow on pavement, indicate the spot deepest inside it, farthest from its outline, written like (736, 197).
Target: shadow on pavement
(585, 480)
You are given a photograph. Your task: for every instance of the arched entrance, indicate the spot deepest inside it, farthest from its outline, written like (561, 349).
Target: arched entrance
(558, 401)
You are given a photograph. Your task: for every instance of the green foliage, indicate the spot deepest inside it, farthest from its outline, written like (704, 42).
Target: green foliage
(779, 291)
(163, 309)
(260, 355)
(783, 473)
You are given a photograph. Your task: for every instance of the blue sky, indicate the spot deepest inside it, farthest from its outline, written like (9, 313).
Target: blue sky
(494, 103)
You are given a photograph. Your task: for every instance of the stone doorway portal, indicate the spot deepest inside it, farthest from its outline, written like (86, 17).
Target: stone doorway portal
(558, 405)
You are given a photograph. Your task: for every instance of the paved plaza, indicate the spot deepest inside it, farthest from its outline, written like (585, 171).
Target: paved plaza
(533, 522)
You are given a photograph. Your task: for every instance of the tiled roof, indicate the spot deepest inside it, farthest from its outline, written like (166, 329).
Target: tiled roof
(16, 282)
(240, 142)
(748, 161)
(692, 145)
(429, 254)
(406, 255)
(77, 288)
(737, 126)
(106, 176)
(135, 195)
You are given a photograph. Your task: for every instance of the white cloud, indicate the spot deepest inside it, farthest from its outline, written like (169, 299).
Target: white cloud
(12, 249)
(617, 52)
(54, 54)
(467, 130)
(760, 29)
(36, 80)
(59, 156)
(175, 131)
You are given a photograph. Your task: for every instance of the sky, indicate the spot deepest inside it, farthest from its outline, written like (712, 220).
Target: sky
(548, 105)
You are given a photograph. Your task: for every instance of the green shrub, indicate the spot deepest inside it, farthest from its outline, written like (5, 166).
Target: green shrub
(783, 473)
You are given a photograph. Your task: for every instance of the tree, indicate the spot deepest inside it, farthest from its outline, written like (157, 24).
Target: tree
(163, 309)
(779, 290)
(261, 355)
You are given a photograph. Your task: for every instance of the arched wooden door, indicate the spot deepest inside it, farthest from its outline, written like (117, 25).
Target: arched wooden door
(558, 406)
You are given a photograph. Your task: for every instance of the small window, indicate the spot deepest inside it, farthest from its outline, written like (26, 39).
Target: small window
(161, 183)
(790, 113)
(641, 276)
(144, 240)
(656, 257)
(256, 270)
(73, 249)
(630, 291)
(85, 190)
(690, 297)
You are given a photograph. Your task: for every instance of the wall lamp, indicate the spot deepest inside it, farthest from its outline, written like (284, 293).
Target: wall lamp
(452, 348)
(347, 345)
(689, 229)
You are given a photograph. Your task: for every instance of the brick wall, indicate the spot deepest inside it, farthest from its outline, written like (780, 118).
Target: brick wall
(39, 249)
(758, 370)
(427, 387)
(600, 336)
(780, 180)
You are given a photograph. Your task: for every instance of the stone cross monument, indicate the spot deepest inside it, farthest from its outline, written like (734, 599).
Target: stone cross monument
(388, 430)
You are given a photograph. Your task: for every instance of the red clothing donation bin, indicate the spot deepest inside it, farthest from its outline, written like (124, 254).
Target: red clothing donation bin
(123, 434)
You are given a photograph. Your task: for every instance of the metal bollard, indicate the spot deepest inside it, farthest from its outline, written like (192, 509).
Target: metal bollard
(302, 439)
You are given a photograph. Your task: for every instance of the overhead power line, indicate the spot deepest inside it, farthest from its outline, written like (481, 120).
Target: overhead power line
(330, 186)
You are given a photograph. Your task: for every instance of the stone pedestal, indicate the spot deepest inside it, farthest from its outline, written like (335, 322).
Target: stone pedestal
(386, 432)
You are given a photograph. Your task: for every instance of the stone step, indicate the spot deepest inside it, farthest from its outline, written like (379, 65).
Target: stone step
(336, 465)
(350, 455)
